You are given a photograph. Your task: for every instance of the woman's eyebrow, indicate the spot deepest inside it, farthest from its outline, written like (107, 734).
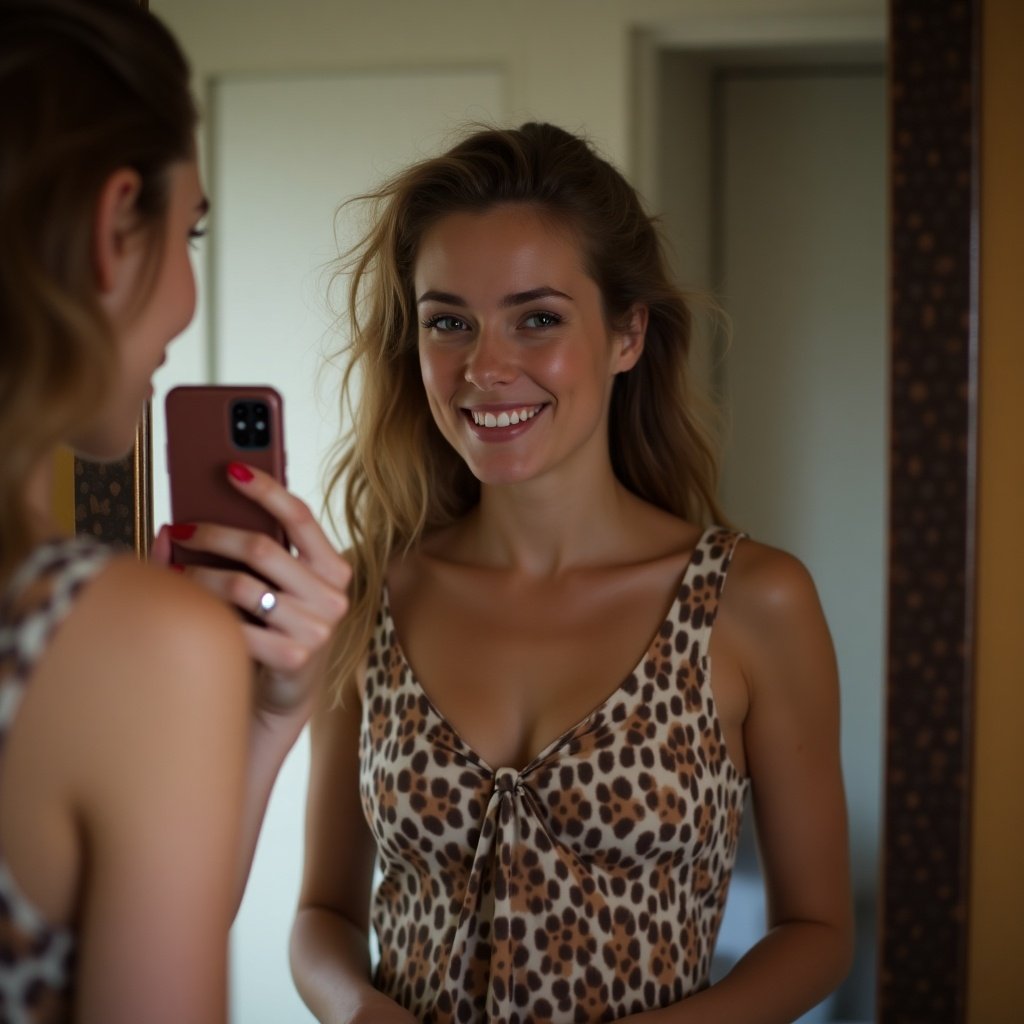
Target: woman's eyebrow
(515, 299)
(447, 298)
(521, 298)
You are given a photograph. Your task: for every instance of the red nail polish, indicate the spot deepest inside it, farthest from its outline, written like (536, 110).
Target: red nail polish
(176, 568)
(182, 531)
(240, 472)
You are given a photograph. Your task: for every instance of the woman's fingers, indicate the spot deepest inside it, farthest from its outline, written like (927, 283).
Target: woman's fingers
(265, 557)
(282, 612)
(300, 525)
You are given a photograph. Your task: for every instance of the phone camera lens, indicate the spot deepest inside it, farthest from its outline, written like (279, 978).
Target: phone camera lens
(250, 427)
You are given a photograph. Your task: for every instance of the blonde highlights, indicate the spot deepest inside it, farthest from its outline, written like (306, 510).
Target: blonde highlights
(398, 476)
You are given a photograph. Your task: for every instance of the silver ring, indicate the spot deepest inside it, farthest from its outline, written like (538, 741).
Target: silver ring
(266, 604)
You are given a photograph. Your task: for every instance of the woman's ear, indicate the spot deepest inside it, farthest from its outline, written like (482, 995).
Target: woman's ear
(630, 339)
(115, 258)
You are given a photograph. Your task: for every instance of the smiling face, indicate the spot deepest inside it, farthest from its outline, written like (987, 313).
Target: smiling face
(517, 359)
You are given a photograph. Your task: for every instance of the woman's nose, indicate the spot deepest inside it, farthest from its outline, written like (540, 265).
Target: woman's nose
(491, 361)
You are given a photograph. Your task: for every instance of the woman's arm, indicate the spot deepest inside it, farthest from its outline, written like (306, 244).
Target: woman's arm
(148, 732)
(310, 588)
(329, 953)
(772, 622)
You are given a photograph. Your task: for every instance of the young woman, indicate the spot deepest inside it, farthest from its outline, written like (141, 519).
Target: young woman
(557, 681)
(135, 760)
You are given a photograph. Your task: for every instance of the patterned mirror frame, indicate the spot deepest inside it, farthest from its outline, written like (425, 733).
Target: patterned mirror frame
(933, 182)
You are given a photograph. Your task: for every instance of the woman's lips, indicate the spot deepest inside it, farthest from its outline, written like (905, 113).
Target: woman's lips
(493, 423)
(498, 418)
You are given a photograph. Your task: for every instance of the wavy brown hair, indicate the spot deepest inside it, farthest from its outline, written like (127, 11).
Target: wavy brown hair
(88, 87)
(398, 474)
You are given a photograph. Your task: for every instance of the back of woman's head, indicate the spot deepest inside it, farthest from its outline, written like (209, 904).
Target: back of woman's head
(88, 86)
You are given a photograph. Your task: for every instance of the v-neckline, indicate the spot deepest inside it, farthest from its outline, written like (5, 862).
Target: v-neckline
(580, 725)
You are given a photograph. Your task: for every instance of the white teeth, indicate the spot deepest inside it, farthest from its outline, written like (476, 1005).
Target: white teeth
(503, 418)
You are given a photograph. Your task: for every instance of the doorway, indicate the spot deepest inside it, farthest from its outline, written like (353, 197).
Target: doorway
(770, 173)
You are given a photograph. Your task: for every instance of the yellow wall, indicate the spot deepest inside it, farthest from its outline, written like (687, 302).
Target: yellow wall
(996, 981)
(64, 489)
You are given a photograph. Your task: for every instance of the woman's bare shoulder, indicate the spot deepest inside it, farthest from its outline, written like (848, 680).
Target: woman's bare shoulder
(767, 585)
(143, 631)
(770, 607)
(771, 618)
(148, 609)
(141, 699)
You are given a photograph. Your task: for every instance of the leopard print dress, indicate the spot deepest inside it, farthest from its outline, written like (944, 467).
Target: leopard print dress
(36, 960)
(587, 886)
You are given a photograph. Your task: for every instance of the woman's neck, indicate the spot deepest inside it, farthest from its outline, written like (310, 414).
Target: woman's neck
(545, 527)
(39, 500)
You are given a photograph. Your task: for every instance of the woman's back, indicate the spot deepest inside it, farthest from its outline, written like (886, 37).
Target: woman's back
(35, 602)
(121, 772)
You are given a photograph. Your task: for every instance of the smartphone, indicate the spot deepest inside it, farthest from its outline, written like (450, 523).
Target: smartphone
(209, 426)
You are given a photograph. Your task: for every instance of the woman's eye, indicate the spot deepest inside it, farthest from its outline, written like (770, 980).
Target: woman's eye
(444, 322)
(535, 320)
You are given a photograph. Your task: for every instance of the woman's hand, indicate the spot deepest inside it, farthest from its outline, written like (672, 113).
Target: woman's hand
(307, 589)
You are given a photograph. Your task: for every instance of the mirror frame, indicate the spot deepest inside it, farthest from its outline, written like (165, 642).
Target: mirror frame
(934, 76)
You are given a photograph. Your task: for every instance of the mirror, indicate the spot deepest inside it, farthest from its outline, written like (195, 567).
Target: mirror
(922, 945)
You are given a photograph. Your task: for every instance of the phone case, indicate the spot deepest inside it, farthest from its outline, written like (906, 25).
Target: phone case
(203, 436)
